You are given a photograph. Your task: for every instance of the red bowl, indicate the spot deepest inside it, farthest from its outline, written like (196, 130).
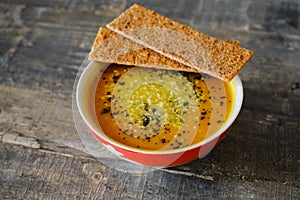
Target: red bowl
(85, 95)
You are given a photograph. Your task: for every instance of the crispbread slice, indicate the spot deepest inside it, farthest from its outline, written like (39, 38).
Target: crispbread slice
(181, 43)
(111, 47)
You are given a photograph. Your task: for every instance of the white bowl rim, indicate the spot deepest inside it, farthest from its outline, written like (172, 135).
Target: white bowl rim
(238, 101)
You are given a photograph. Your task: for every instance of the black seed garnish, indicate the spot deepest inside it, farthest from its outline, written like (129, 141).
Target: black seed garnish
(122, 83)
(105, 110)
(146, 107)
(146, 120)
(108, 93)
(163, 140)
(154, 130)
(116, 77)
(186, 103)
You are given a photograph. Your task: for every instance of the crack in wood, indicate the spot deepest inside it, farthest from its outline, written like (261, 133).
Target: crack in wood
(186, 173)
(18, 139)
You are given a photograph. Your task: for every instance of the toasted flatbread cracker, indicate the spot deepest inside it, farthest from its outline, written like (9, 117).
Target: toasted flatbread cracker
(179, 42)
(111, 47)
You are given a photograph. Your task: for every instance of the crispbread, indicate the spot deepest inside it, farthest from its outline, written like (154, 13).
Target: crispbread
(111, 47)
(181, 43)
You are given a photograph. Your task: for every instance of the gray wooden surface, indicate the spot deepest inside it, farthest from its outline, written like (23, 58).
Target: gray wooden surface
(42, 44)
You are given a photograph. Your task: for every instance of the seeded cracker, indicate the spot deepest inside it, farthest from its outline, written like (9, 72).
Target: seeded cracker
(111, 47)
(181, 43)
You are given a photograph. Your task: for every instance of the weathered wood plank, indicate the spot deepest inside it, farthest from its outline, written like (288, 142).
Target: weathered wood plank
(40, 175)
(51, 42)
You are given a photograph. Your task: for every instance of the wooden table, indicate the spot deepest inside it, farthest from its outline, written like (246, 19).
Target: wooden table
(42, 45)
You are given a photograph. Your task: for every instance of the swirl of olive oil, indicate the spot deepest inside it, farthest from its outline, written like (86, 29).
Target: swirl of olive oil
(147, 100)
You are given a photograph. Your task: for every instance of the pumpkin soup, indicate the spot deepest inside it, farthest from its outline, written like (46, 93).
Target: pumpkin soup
(157, 109)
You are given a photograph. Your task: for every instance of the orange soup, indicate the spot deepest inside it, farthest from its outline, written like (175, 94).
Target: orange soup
(157, 109)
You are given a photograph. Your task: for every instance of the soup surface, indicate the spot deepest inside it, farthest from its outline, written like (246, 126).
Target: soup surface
(157, 109)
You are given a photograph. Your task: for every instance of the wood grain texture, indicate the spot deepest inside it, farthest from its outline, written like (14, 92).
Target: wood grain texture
(42, 45)
(35, 174)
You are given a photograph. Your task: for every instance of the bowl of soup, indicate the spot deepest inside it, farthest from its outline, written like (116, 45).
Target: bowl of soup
(156, 117)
